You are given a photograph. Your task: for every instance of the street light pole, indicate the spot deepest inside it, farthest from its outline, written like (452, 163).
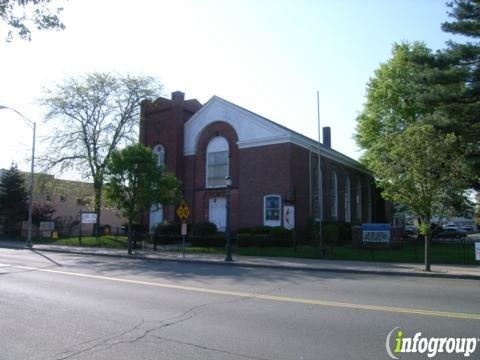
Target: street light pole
(31, 123)
(228, 250)
(30, 202)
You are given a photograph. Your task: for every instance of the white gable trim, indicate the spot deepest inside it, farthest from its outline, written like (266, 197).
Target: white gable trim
(252, 131)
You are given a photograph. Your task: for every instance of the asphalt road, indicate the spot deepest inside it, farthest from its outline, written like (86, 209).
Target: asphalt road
(61, 306)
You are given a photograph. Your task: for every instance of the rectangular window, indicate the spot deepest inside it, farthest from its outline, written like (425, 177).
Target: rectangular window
(217, 168)
(316, 209)
(347, 200)
(334, 195)
(272, 210)
(359, 200)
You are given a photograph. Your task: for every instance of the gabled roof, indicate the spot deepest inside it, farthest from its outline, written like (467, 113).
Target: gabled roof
(253, 130)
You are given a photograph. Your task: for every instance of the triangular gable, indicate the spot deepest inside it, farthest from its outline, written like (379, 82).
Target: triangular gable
(252, 130)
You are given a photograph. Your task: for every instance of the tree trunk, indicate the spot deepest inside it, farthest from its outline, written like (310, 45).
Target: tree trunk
(97, 184)
(428, 237)
(129, 237)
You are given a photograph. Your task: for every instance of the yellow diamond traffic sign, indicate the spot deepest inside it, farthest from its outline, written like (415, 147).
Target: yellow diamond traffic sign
(183, 212)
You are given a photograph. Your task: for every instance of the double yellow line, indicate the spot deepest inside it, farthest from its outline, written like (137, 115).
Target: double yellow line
(336, 304)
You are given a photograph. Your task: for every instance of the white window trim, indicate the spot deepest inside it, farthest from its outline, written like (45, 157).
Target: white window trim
(206, 164)
(272, 222)
(156, 149)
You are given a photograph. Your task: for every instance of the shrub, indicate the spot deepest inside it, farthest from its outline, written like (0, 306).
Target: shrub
(336, 232)
(279, 236)
(205, 229)
(245, 240)
(261, 230)
(311, 232)
(167, 229)
(207, 241)
(329, 233)
(262, 240)
(245, 230)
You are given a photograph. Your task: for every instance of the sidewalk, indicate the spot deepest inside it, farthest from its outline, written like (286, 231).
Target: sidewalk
(363, 267)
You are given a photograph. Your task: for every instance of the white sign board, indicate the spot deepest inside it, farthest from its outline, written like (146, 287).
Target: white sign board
(477, 251)
(376, 233)
(288, 217)
(89, 218)
(184, 229)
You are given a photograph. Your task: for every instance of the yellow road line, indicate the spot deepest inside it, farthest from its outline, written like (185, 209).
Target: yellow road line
(336, 304)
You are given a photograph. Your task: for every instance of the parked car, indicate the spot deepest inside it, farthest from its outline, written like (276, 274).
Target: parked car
(451, 227)
(467, 228)
(451, 231)
(410, 231)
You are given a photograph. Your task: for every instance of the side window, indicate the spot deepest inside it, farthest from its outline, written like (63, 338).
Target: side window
(217, 162)
(159, 150)
(272, 210)
(359, 200)
(334, 195)
(347, 200)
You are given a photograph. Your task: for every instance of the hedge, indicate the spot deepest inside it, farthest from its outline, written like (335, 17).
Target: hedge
(204, 229)
(207, 241)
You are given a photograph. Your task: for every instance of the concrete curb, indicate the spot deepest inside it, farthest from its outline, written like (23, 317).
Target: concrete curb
(261, 266)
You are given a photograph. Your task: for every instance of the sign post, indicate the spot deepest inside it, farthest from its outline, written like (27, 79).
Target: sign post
(86, 218)
(376, 233)
(289, 222)
(477, 251)
(183, 213)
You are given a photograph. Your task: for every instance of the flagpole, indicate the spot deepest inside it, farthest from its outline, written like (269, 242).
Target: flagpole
(320, 190)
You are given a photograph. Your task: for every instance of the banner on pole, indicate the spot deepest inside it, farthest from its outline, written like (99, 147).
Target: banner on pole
(288, 217)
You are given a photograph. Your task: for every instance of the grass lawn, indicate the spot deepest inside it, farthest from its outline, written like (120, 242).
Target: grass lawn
(441, 253)
(460, 253)
(105, 241)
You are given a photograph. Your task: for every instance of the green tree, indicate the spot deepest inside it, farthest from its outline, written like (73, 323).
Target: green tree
(415, 161)
(135, 182)
(91, 116)
(453, 79)
(393, 96)
(421, 168)
(13, 199)
(21, 15)
(42, 212)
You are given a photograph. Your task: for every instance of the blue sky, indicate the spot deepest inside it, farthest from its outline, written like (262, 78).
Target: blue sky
(268, 56)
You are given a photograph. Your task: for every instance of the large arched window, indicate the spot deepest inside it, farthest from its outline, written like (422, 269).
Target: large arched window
(359, 200)
(159, 150)
(334, 195)
(348, 210)
(217, 162)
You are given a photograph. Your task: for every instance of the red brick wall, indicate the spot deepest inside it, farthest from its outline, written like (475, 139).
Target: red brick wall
(162, 122)
(255, 172)
(197, 167)
(264, 170)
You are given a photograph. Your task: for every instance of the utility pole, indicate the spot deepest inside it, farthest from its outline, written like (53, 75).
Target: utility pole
(320, 207)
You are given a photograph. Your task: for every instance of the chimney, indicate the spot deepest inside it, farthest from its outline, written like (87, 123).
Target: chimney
(178, 97)
(327, 140)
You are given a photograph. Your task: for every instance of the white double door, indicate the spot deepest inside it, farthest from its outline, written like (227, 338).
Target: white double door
(217, 212)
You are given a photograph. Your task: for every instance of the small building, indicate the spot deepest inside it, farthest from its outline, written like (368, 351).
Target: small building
(270, 166)
(68, 198)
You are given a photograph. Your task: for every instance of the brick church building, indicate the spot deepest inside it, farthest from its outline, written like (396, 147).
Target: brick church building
(269, 165)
